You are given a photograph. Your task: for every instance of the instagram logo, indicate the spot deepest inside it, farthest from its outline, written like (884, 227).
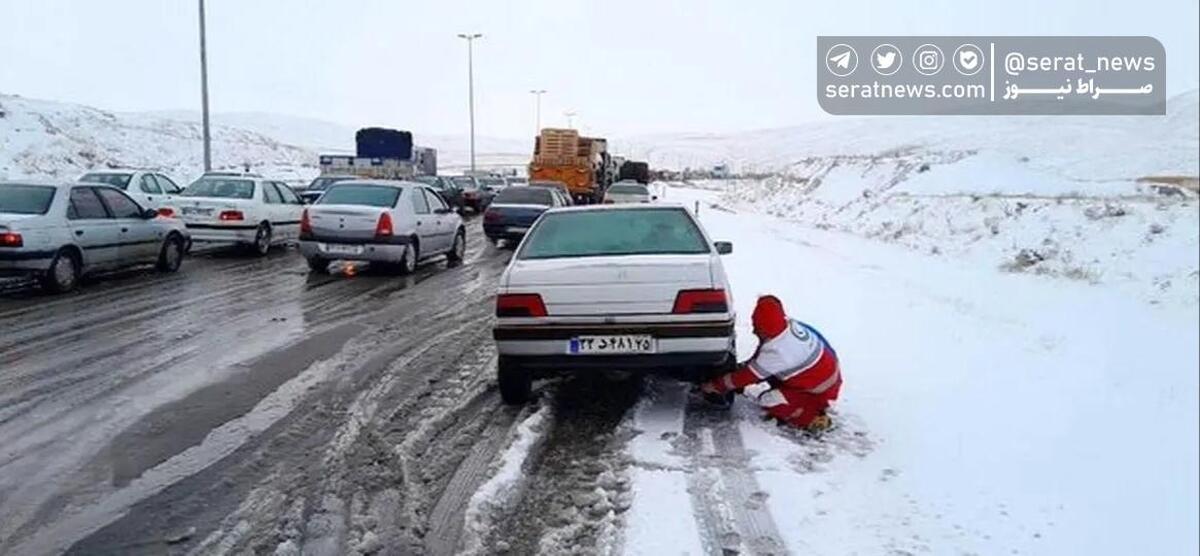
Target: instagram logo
(928, 59)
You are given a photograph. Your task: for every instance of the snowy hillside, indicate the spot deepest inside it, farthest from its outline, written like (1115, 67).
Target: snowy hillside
(45, 139)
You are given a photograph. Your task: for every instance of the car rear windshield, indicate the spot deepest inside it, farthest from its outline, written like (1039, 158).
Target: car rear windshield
(109, 178)
(524, 196)
(25, 199)
(596, 233)
(227, 188)
(464, 182)
(319, 184)
(359, 194)
(629, 189)
(492, 182)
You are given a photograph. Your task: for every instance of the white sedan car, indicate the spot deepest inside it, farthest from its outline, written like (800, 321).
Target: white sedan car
(58, 232)
(391, 223)
(241, 209)
(150, 189)
(628, 192)
(613, 287)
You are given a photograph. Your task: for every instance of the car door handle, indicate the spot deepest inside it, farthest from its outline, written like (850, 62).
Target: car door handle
(123, 230)
(418, 222)
(78, 232)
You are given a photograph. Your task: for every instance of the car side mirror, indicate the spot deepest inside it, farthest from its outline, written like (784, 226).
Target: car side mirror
(150, 214)
(723, 247)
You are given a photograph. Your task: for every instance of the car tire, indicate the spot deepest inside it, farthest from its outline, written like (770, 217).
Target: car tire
(317, 264)
(262, 240)
(170, 257)
(63, 274)
(516, 383)
(458, 249)
(408, 264)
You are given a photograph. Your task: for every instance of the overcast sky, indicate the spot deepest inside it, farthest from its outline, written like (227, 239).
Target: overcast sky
(626, 66)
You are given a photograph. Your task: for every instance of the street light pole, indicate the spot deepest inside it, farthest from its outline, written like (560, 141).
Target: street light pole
(204, 94)
(570, 114)
(537, 93)
(470, 38)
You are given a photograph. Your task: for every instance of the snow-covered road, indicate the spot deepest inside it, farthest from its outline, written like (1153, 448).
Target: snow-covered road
(985, 412)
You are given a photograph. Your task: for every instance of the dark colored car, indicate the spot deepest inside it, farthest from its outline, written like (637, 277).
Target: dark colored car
(476, 196)
(515, 209)
(449, 191)
(557, 186)
(318, 186)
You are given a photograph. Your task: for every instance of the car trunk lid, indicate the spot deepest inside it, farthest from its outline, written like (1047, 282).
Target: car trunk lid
(344, 222)
(616, 285)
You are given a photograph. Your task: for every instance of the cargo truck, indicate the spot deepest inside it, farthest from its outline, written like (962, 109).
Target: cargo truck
(583, 164)
(636, 171)
(383, 154)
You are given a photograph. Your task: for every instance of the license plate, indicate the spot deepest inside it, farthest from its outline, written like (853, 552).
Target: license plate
(343, 249)
(516, 229)
(640, 343)
(197, 210)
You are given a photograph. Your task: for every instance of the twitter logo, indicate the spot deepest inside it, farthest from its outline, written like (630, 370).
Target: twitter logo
(886, 59)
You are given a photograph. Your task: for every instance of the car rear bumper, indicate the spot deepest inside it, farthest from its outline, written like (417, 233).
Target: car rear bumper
(217, 233)
(693, 351)
(22, 261)
(506, 231)
(377, 252)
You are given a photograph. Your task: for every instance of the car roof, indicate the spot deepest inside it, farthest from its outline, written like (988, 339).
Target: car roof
(55, 184)
(590, 208)
(399, 184)
(338, 176)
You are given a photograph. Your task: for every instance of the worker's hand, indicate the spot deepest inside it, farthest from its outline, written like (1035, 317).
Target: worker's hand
(710, 387)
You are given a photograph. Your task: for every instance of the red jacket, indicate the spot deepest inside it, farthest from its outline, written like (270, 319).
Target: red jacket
(797, 358)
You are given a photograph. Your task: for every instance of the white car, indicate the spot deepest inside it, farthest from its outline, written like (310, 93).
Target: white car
(58, 232)
(392, 223)
(241, 209)
(150, 189)
(646, 294)
(628, 192)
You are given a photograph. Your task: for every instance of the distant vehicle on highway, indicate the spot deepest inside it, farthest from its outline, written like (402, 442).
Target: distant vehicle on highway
(391, 223)
(494, 183)
(319, 184)
(516, 181)
(476, 196)
(559, 187)
(628, 192)
(61, 232)
(241, 209)
(613, 287)
(444, 186)
(150, 189)
(515, 209)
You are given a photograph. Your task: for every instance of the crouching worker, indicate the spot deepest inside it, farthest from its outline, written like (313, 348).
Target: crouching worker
(795, 360)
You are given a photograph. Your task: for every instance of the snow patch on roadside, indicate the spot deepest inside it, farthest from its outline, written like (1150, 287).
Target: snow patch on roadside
(498, 494)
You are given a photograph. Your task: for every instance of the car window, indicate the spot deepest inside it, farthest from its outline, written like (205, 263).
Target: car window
(360, 194)
(25, 199)
(613, 232)
(220, 187)
(168, 185)
(117, 180)
(289, 196)
(435, 201)
(525, 196)
(149, 184)
(629, 189)
(120, 205)
(85, 205)
(419, 204)
(271, 194)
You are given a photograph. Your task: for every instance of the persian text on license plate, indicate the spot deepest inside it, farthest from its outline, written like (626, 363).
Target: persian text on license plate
(197, 210)
(639, 343)
(343, 249)
(517, 229)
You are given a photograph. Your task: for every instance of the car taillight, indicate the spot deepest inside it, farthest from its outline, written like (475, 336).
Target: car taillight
(166, 212)
(520, 305)
(11, 239)
(305, 224)
(231, 215)
(491, 216)
(383, 228)
(701, 301)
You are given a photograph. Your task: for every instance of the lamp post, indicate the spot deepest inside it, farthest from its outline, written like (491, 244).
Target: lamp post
(204, 94)
(537, 93)
(470, 38)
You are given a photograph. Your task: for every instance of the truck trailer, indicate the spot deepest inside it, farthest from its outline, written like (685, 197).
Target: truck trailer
(582, 163)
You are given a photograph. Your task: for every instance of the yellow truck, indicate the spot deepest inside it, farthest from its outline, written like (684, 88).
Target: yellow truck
(583, 164)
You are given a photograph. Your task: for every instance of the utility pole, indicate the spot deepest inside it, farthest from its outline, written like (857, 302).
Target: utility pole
(570, 114)
(204, 94)
(470, 38)
(537, 93)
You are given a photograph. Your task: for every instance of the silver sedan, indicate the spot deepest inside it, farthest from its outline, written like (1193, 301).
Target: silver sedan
(58, 232)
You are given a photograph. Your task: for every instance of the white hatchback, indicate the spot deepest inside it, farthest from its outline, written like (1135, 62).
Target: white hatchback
(240, 209)
(150, 189)
(614, 287)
